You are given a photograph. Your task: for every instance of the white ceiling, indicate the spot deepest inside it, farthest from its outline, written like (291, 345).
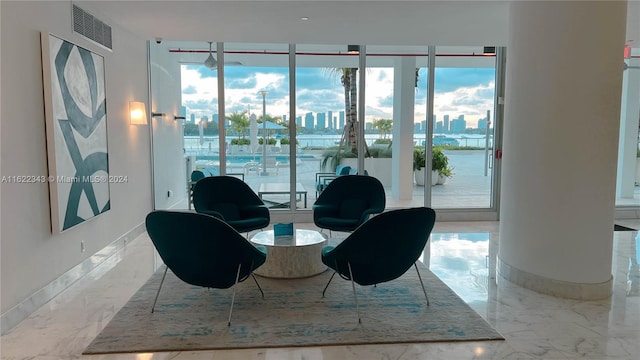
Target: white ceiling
(330, 22)
(397, 23)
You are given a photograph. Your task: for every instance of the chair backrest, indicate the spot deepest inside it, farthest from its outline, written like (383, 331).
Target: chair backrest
(205, 172)
(201, 249)
(354, 192)
(385, 247)
(223, 194)
(342, 169)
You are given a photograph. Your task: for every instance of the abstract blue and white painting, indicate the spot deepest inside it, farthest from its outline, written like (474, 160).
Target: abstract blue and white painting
(76, 124)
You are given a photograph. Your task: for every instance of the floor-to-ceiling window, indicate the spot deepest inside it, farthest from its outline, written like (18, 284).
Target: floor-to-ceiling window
(238, 118)
(256, 86)
(628, 178)
(463, 125)
(199, 91)
(323, 88)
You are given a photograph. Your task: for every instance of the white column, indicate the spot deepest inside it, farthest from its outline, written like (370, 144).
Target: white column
(562, 115)
(404, 75)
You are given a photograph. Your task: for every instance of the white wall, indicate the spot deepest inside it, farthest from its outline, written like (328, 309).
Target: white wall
(31, 257)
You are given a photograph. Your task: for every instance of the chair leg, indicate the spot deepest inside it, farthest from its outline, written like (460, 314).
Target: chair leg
(159, 287)
(421, 283)
(233, 297)
(325, 288)
(259, 288)
(355, 296)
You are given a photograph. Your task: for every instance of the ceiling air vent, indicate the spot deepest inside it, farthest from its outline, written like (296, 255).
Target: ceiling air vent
(90, 27)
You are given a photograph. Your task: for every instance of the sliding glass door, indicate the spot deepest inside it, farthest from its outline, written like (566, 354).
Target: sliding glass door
(463, 128)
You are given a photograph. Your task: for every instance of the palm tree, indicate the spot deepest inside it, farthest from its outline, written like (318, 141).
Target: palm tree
(239, 122)
(384, 126)
(348, 78)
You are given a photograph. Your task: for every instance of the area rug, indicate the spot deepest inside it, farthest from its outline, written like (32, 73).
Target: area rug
(292, 313)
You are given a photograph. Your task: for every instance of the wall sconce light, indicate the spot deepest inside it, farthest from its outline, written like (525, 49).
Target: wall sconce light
(137, 113)
(353, 49)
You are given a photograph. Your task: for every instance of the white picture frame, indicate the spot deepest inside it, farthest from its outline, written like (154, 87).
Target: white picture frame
(76, 129)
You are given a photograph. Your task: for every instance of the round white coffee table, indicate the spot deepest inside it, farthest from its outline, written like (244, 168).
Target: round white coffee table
(291, 256)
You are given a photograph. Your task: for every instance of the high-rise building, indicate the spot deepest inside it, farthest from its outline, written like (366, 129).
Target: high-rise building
(308, 120)
(193, 118)
(330, 124)
(321, 121)
(298, 121)
(446, 123)
(458, 125)
(341, 120)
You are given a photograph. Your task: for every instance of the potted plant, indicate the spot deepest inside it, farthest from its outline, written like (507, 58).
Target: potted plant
(332, 157)
(270, 141)
(240, 141)
(419, 163)
(440, 165)
(440, 169)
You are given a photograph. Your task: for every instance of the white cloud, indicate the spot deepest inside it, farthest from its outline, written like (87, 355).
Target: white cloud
(470, 101)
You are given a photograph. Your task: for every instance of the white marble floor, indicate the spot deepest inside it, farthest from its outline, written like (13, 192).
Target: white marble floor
(535, 326)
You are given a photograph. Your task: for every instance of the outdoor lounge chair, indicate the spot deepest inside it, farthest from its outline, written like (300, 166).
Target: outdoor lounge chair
(382, 249)
(204, 251)
(324, 178)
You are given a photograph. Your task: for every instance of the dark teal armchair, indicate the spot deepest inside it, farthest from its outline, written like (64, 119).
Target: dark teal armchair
(382, 249)
(232, 200)
(348, 201)
(203, 250)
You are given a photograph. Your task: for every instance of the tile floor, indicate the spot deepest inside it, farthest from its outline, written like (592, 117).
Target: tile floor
(535, 326)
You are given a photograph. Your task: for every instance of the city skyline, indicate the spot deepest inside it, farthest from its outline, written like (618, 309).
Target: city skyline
(458, 91)
(309, 121)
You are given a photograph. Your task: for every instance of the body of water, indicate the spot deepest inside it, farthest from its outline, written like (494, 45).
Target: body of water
(210, 144)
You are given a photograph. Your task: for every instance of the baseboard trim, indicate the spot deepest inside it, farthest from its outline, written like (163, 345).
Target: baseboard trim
(21, 311)
(557, 288)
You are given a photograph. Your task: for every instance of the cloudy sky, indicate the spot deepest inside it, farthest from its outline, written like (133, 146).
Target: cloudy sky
(459, 91)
